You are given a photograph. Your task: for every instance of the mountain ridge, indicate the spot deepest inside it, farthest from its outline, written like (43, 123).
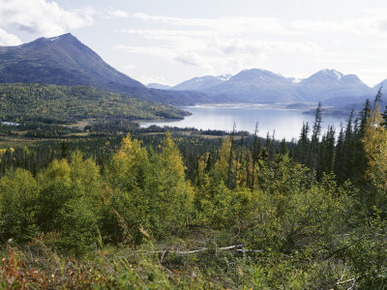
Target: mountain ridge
(262, 86)
(64, 60)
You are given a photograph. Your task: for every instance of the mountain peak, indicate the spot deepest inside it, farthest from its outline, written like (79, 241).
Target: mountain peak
(331, 73)
(62, 60)
(201, 83)
(255, 74)
(66, 39)
(67, 36)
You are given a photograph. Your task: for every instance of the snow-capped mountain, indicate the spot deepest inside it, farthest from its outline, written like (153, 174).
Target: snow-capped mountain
(328, 83)
(158, 86)
(254, 86)
(201, 83)
(262, 86)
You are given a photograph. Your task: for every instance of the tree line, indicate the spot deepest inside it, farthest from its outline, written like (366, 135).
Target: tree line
(313, 213)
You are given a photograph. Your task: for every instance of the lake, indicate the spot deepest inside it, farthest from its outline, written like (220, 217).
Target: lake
(287, 123)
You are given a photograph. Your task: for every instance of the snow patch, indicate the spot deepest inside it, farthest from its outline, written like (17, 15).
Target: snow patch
(296, 81)
(338, 75)
(224, 77)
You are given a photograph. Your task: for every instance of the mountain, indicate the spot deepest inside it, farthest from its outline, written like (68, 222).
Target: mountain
(254, 86)
(158, 86)
(201, 83)
(329, 84)
(60, 60)
(64, 60)
(261, 86)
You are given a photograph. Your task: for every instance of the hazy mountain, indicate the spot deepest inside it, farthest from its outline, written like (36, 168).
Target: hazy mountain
(254, 86)
(158, 86)
(329, 84)
(353, 99)
(377, 87)
(64, 60)
(261, 86)
(201, 83)
(178, 98)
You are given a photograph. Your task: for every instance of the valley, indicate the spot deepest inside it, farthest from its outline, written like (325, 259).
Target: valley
(216, 183)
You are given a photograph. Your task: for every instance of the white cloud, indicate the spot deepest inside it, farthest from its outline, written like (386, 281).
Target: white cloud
(369, 25)
(7, 39)
(230, 44)
(119, 13)
(42, 17)
(230, 25)
(213, 50)
(219, 45)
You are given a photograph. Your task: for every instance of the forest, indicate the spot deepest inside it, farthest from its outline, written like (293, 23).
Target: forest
(54, 104)
(179, 209)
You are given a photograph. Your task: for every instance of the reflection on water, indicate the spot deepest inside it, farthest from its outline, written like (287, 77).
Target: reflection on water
(286, 123)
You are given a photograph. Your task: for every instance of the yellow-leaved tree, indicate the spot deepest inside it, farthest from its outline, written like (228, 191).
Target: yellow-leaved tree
(129, 208)
(375, 147)
(170, 195)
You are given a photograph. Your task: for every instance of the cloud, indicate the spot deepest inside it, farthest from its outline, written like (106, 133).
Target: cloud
(369, 25)
(7, 39)
(215, 50)
(42, 17)
(230, 25)
(118, 13)
(230, 44)
(219, 45)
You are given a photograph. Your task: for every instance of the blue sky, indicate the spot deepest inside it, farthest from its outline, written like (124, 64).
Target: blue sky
(171, 41)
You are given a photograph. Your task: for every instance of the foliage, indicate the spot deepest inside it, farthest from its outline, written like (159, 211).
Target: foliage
(53, 104)
(157, 212)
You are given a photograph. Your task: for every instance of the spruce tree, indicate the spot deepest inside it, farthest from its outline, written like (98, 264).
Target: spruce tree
(313, 152)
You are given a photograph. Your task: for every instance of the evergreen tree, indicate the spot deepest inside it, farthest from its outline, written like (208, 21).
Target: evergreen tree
(313, 151)
(338, 164)
(255, 156)
(232, 166)
(327, 153)
(348, 151)
(303, 145)
(384, 121)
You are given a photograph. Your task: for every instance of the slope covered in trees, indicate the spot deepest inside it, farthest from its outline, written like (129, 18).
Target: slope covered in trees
(62, 104)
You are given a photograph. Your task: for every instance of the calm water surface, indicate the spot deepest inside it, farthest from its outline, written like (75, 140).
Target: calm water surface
(285, 123)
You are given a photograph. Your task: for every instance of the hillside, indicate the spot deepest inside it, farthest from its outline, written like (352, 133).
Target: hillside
(64, 60)
(67, 104)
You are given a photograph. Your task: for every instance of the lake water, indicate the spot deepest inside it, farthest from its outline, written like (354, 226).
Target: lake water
(287, 123)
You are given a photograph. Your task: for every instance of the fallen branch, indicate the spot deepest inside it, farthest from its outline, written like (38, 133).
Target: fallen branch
(346, 281)
(238, 248)
(353, 280)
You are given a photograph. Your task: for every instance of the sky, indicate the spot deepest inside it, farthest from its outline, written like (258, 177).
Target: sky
(170, 41)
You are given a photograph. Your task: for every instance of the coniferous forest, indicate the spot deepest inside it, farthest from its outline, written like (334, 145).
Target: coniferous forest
(124, 207)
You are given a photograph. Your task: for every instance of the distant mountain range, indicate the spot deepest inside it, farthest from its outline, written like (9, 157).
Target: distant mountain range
(201, 83)
(329, 86)
(64, 60)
